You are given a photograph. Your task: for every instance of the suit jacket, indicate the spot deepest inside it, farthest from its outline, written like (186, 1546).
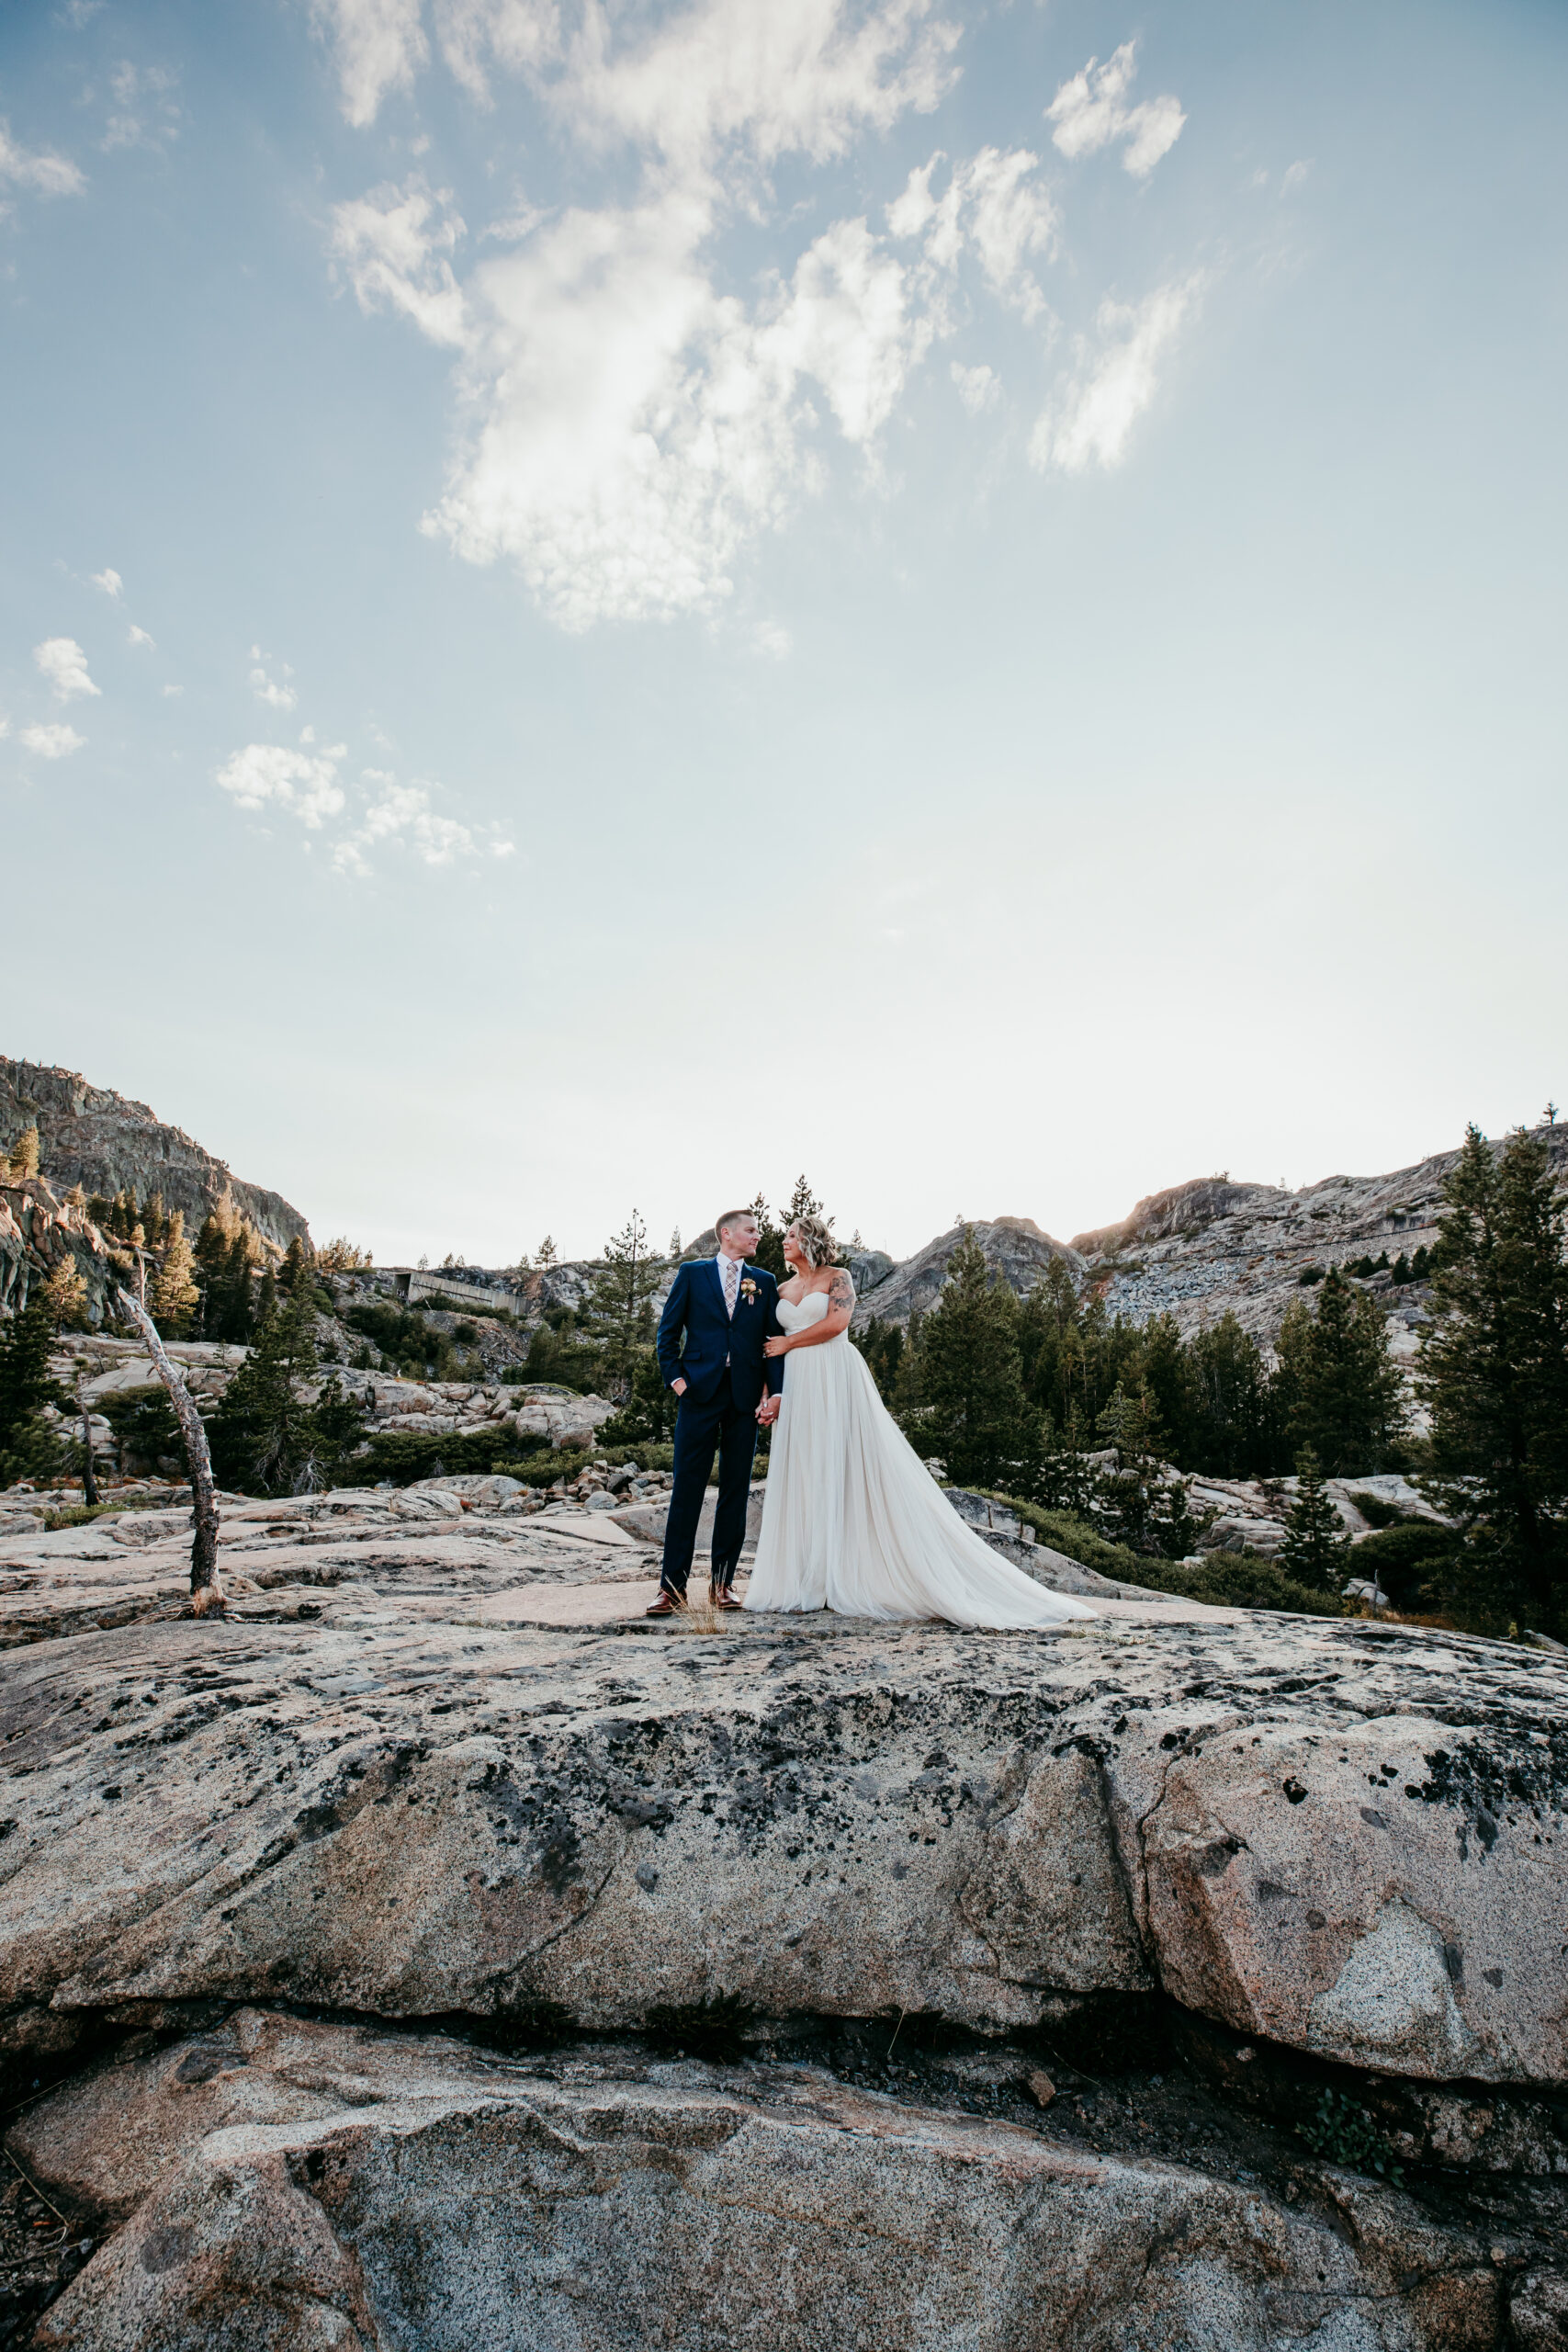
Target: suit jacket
(695, 1334)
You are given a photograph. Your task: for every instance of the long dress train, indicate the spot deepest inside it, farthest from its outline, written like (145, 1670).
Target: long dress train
(854, 1521)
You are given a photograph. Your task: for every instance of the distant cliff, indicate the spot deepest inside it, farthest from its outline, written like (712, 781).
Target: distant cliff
(90, 1136)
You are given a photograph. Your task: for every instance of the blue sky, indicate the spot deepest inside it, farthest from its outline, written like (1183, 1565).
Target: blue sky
(600, 606)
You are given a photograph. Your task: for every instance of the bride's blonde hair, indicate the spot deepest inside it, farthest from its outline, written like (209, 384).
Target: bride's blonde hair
(817, 1243)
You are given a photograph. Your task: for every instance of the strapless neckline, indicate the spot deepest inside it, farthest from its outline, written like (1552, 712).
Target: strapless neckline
(809, 1309)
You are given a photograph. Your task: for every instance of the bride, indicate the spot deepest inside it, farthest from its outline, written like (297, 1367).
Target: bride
(852, 1520)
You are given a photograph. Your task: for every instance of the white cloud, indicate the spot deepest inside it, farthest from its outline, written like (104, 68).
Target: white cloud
(628, 424)
(5, 725)
(978, 388)
(1088, 114)
(1114, 383)
(629, 428)
(378, 45)
(518, 36)
(396, 245)
(37, 170)
(171, 690)
(993, 209)
(277, 695)
(303, 782)
(52, 743)
(1294, 174)
(64, 664)
(109, 582)
(797, 79)
(139, 637)
(147, 115)
(401, 813)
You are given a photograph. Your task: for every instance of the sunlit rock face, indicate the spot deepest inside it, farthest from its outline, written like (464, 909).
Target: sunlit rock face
(433, 1770)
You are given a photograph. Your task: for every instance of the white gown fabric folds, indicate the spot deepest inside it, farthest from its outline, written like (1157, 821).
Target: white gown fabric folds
(854, 1521)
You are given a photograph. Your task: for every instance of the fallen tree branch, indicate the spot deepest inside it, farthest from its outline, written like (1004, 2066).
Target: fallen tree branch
(206, 1584)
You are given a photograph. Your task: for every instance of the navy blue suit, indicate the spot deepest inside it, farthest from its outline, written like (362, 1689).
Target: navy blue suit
(726, 1373)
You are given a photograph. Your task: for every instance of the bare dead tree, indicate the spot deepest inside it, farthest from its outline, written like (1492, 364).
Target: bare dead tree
(89, 1484)
(206, 1583)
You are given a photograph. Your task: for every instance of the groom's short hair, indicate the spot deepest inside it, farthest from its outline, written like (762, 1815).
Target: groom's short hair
(731, 1217)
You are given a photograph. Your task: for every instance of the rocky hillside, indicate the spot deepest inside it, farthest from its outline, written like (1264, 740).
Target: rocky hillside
(90, 1136)
(1014, 1247)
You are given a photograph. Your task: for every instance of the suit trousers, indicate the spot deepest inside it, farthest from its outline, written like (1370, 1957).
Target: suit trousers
(718, 1426)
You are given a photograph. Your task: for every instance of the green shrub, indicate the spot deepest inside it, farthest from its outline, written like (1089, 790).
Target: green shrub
(143, 1423)
(1345, 2134)
(1378, 1513)
(405, 1455)
(1414, 1563)
(1224, 1579)
(414, 1345)
(466, 1334)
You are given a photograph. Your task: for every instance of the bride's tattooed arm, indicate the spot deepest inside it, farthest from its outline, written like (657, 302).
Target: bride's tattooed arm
(840, 1307)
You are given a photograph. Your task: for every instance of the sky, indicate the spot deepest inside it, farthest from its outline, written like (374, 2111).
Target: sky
(601, 606)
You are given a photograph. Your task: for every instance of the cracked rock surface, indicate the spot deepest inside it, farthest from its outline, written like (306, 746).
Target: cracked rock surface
(278, 2182)
(1345, 1837)
(309, 1912)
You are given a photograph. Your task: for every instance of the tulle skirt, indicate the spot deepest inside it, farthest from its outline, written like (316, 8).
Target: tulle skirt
(854, 1521)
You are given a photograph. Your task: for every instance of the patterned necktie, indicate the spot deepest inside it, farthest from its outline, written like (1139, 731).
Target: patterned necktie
(731, 1277)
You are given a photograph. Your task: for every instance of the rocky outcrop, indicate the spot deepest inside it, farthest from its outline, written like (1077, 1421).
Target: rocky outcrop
(276, 2182)
(90, 1136)
(1014, 1247)
(435, 1771)
(1345, 1837)
(1205, 1248)
(39, 1232)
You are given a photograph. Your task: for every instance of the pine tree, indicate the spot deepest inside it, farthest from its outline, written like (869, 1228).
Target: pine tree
(803, 1202)
(1494, 1378)
(156, 1218)
(65, 1295)
(769, 1252)
(76, 1200)
(27, 1446)
(1339, 1388)
(968, 1380)
(172, 1293)
(1317, 1548)
(1141, 1503)
(266, 1437)
(547, 1257)
(673, 1251)
(1232, 1427)
(22, 1161)
(617, 1310)
(294, 1272)
(1049, 1341)
(1163, 1373)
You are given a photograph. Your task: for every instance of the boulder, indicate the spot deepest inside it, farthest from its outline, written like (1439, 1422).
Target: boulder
(646, 1521)
(277, 2183)
(1345, 1836)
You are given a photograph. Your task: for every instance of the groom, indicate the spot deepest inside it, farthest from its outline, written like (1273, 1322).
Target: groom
(723, 1309)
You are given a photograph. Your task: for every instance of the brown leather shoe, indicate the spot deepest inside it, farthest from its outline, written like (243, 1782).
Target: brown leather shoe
(724, 1598)
(668, 1603)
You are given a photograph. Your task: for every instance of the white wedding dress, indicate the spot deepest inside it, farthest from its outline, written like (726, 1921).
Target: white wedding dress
(854, 1521)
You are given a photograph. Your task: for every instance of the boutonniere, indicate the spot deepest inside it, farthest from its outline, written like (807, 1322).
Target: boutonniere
(748, 1290)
